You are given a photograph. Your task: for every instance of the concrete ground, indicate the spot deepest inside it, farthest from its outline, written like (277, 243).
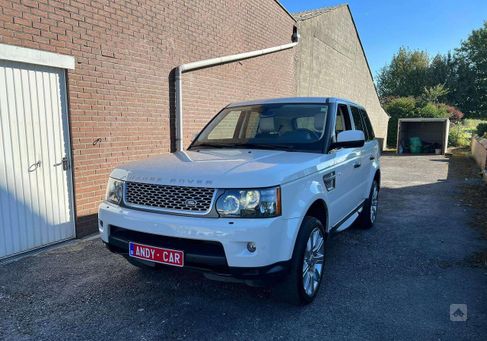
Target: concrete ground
(396, 281)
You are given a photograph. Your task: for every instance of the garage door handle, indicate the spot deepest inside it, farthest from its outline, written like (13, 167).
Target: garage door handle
(357, 165)
(64, 163)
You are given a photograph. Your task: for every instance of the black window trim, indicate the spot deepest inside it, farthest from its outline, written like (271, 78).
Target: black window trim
(359, 111)
(367, 124)
(350, 121)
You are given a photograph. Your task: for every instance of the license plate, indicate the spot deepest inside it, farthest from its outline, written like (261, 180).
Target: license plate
(156, 254)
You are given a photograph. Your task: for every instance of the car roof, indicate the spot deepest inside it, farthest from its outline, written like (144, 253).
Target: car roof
(292, 100)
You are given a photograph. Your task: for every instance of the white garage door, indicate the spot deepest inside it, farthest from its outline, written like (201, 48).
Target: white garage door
(35, 180)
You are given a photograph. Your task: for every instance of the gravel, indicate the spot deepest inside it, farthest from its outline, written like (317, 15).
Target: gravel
(395, 281)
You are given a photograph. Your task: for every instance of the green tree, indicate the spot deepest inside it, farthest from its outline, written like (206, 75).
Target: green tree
(470, 83)
(441, 70)
(406, 75)
(463, 73)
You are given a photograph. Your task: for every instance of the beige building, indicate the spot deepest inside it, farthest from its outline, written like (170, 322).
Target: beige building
(331, 62)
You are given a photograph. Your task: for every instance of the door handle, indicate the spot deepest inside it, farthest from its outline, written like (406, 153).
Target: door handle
(357, 165)
(372, 158)
(64, 163)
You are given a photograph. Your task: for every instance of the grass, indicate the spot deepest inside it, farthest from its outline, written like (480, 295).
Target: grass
(461, 133)
(470, 125)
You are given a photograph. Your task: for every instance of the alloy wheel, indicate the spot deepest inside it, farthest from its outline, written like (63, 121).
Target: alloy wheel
(313, 261)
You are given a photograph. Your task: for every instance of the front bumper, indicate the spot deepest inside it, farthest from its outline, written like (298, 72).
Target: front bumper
(218, 245)
(204, 256)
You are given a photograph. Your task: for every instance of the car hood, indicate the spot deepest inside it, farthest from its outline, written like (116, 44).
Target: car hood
(224, 168)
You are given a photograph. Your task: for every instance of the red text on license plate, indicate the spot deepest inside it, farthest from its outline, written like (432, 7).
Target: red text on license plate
(156, 254)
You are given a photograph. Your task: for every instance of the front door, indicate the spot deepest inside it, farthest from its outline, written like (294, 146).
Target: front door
(36, 206)
(347, 161)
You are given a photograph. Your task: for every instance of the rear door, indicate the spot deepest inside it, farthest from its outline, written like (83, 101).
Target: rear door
(364, 169)
(371, 150)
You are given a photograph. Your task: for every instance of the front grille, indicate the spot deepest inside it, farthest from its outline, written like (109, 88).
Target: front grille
(169, 198)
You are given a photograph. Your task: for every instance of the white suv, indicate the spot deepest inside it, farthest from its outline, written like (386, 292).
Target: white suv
(254, 197)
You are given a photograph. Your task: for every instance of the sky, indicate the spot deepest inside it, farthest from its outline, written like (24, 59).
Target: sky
(436, 26)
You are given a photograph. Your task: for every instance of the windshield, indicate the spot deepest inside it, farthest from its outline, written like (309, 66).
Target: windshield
(293, 127)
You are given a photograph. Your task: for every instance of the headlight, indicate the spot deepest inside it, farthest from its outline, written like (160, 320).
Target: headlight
(114, 191)
(250, 203)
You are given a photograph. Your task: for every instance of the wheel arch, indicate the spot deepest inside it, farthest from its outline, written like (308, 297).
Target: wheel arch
(377, 176)
(319, 210)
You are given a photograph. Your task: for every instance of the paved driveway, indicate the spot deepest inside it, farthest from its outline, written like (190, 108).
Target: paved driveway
(394, 281)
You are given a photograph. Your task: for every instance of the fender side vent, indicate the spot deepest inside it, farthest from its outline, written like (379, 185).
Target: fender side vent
(329, 180)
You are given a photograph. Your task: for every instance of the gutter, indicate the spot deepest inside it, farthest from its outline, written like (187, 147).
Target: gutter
(212, 62)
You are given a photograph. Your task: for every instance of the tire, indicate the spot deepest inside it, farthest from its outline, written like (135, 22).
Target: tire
(368, 215)
(300, 288)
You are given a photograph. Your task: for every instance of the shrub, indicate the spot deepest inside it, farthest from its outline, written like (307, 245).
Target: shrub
(398, 108)
(432, 110)
(454, 114)
(457, 136)
(482, 129)
(434, 93)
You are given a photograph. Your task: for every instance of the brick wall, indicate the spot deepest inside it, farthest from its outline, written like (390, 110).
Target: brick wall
(120, 91)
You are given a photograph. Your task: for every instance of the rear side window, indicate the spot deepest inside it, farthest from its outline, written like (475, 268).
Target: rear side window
(343, 119)
(357, 119)
(370, 130)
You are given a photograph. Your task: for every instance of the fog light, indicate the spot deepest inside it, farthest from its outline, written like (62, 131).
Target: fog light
(251, 246)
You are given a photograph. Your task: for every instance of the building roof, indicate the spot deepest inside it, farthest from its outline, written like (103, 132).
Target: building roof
(299, 16)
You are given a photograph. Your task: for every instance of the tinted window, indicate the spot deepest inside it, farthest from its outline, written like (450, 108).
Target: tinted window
(370, 130)
(343, 119)
(358, 121)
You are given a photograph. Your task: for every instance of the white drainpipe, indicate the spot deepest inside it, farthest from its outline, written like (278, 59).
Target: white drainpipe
(206, 63)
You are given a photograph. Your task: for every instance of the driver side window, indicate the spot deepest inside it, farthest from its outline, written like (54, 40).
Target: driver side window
(342, 119)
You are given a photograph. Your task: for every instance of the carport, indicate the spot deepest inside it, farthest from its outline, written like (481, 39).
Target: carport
(422, 135)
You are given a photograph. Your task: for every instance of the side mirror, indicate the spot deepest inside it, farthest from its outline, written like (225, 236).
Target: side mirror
(349, 139)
